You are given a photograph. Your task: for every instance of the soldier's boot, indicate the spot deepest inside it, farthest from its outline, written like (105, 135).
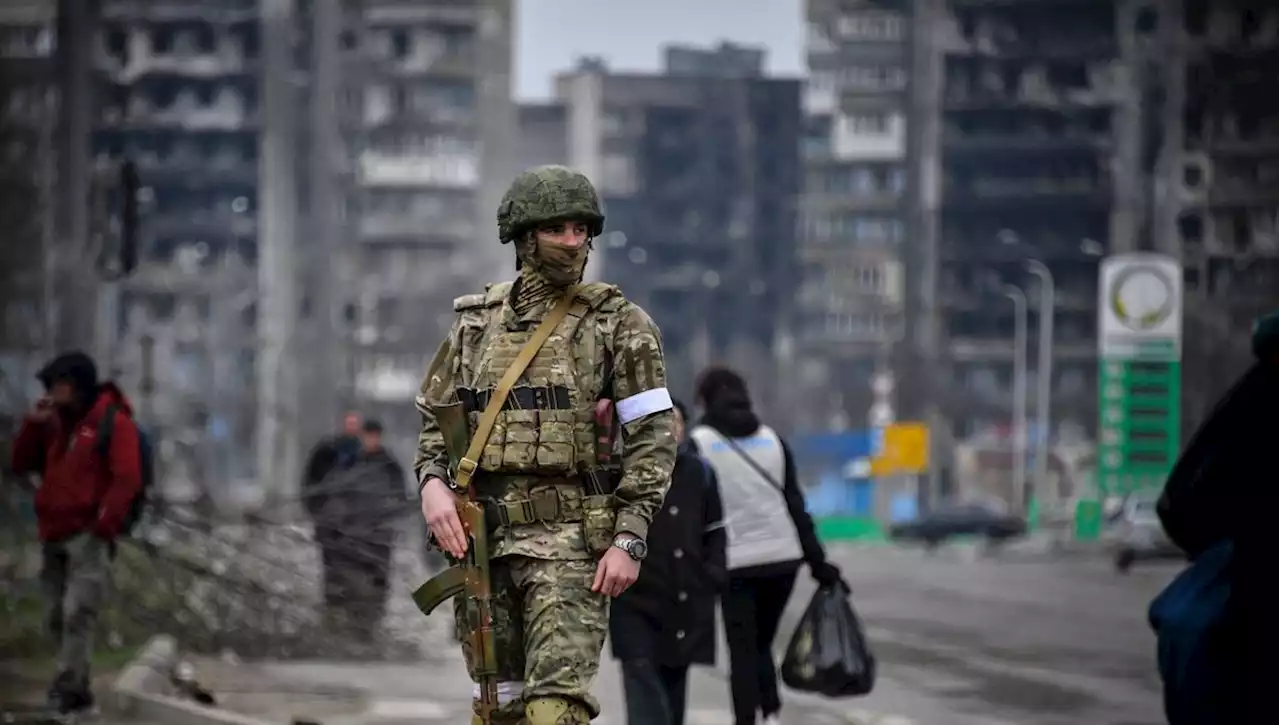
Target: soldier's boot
(556, 711)
(511, 713)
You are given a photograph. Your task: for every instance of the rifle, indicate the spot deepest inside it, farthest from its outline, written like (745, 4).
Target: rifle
(470, 577)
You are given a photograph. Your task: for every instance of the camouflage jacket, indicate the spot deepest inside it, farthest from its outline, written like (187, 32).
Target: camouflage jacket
(614, 350)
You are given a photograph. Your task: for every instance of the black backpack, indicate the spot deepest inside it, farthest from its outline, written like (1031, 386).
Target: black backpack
(146, 465)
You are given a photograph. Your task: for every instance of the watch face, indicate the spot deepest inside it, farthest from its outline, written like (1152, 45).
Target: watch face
(638, 549)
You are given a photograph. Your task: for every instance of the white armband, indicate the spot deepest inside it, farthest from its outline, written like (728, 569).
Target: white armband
(642, 404)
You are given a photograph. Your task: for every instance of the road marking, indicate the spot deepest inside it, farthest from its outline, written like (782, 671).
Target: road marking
(390, 709)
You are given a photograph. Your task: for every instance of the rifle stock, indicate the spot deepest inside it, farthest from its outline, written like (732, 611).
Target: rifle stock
(471, 578)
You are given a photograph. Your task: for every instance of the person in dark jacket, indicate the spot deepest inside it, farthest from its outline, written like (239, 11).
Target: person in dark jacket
(1223, 489)
(666, 621)
(769, 535)
(82, 505)
(355, 490)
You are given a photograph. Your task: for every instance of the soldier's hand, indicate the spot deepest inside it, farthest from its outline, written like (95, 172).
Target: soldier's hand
(616, 573)
(440, 509)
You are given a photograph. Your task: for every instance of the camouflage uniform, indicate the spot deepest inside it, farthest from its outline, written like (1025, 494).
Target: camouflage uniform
(535, 472)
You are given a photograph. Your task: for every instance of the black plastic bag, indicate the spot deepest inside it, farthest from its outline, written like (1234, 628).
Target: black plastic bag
(828, 653)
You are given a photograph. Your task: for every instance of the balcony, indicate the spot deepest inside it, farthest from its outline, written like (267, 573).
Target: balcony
(153, 11)
(180, 168)
(201, 223)
(958, 143)
(228, 115)
(389, 169)
(229, 60)
(398, 13)
(995, 191)
(460, 64)
(386, 227)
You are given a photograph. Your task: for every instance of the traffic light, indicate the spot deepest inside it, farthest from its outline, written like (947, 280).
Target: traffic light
(129, 186)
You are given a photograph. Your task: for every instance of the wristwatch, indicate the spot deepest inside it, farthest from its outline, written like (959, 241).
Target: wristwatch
(635, 547)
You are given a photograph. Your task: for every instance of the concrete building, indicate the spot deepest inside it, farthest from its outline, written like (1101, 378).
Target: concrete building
(700, 175)
(1060, 132)
(435, 124)
(1025, 132)
(849, 314)
(543, 134)
(1222, 129)
(28, 135)
(177, 89)
(303, 203)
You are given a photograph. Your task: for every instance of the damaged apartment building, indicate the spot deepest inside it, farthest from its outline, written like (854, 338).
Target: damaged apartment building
(700, 176)
(853, 212)
(1061, 131)
(310, 209)
(434, 92)
(1223, 211)
(1027, 136)
(176, 90)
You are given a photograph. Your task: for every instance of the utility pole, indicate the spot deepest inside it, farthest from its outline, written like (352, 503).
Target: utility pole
(1019, 397)
(76, 22)
(922, 394)
(1044, 376)
(277, 368)
(328, 257)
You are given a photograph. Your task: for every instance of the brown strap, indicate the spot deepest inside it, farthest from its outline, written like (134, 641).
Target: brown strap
(470, 462)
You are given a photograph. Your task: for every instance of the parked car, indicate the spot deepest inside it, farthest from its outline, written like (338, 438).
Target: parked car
(968, 519)
(1134, 533)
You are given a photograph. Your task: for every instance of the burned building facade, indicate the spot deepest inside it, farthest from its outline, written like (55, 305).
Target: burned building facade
(700, 175)
(1023, 147)
(434, 117)
(1222, 209)
(1059, 132)
(28, 125)
(176, 90)
(303, 203)
(848, 317)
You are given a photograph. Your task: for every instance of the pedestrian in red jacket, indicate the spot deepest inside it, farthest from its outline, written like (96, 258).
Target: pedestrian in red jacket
(83, 500)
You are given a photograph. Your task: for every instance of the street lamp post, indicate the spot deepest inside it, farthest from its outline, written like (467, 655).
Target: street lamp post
(1019, 396)
(1044, 376)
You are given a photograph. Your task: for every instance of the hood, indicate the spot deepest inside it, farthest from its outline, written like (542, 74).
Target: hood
(74, 367)
(731, 414)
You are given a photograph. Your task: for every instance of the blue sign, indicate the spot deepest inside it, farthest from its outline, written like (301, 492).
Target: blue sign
(823, 462)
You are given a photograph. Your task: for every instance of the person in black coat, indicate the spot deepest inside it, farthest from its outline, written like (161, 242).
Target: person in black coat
(666, 621)
(1223, 488)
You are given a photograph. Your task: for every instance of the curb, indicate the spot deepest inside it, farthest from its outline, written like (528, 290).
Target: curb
(138, 693)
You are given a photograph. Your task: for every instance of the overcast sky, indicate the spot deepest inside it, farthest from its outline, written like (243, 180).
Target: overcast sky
(552, 34)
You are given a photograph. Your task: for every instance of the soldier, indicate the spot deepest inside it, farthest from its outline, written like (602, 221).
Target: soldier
(568, 518)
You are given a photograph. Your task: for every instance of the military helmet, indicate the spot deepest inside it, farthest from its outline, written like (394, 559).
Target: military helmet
(545, 194)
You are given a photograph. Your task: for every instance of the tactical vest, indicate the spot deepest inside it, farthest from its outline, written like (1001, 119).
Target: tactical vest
(547, 424)
(758, 526)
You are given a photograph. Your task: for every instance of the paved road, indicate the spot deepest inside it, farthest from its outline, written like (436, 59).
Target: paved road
(968, 641)
(960, 642)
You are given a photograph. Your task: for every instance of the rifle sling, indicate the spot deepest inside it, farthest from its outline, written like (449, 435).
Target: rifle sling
(470, 462)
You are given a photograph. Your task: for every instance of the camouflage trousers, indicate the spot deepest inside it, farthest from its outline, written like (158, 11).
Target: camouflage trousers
(76, 575)
(549, 629)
